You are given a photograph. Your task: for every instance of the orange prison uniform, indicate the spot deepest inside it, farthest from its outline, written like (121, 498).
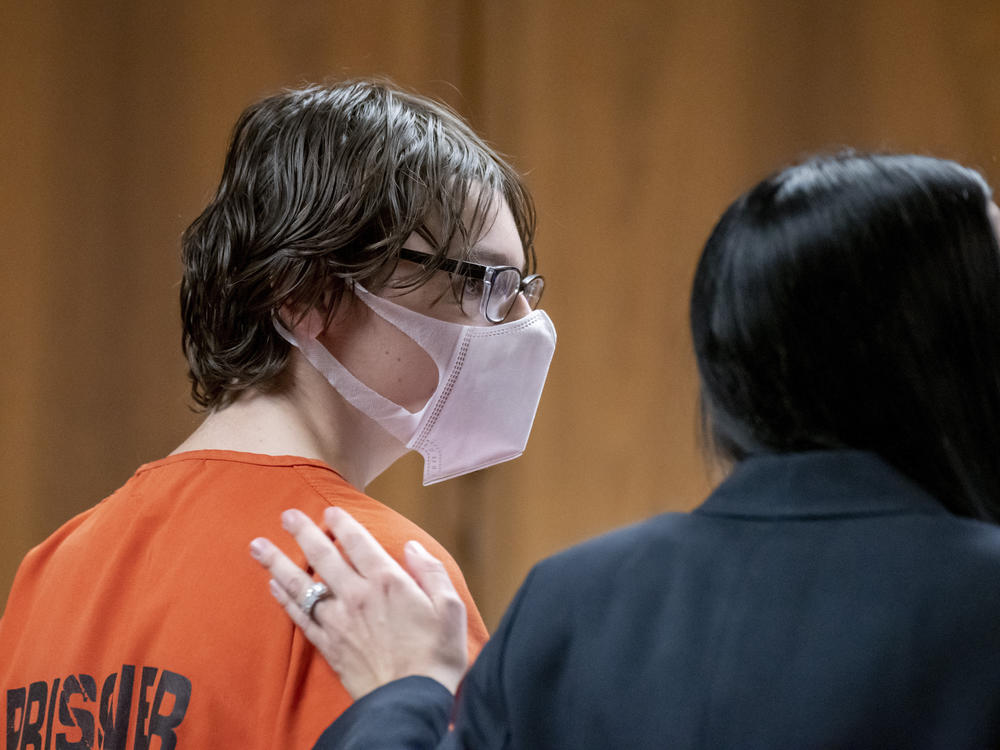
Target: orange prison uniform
(144, 622)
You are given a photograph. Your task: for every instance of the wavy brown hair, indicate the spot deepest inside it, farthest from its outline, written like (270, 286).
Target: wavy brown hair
(321, 186)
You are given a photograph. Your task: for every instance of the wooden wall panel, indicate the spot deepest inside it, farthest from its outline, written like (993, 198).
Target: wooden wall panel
(637, 122)
(22, 78)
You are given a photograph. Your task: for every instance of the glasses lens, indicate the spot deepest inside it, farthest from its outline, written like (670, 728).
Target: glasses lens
(533, 288)
(503, 292)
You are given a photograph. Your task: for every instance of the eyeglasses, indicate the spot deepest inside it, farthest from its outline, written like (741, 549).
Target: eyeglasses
(500, 284)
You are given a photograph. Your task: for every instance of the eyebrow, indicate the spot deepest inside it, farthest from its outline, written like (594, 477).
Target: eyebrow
(489, 257)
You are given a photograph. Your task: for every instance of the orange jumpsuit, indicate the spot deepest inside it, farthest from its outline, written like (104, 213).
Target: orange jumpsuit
(144, 623)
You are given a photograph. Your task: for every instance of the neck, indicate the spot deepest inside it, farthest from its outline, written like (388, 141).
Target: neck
(308, 418)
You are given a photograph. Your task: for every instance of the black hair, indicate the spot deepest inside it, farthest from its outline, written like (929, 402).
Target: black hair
(853, 301)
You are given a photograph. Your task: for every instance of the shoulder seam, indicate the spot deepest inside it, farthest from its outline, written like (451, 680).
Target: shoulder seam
(314, 486)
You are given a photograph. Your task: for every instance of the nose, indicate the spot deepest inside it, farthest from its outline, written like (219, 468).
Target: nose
(519, 309)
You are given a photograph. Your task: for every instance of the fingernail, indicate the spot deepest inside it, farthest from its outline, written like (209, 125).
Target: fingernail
(414, 546)
(258, 547)
(290, 519)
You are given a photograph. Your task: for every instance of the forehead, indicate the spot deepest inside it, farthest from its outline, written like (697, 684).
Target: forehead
(499, 242)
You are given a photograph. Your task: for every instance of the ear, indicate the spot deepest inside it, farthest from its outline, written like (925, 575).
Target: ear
(301, 320)
(313, 321)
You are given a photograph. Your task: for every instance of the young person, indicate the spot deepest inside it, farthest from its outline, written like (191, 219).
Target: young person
(356, 289)
(841, 588)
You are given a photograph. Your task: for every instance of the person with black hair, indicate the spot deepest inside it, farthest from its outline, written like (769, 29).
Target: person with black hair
(360, 285)
(840, 588)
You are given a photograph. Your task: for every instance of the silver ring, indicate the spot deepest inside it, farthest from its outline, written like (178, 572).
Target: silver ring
(314, 594)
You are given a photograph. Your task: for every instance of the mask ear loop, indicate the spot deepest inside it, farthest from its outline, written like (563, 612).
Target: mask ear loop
(439, 338)
(399, 422)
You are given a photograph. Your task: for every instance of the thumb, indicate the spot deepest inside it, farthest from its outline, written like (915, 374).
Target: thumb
(430, 575)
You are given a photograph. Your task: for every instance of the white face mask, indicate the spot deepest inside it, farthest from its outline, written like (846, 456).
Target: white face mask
(490, 379)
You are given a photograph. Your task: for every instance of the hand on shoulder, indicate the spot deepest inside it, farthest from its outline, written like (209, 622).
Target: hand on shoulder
(372, 621)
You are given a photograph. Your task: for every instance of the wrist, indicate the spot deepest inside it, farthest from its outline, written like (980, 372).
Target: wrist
(450, 677)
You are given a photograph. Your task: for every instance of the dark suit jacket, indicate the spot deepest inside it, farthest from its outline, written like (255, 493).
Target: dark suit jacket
(815, 600)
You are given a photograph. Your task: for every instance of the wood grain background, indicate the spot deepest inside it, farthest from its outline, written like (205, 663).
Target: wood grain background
(636, 123)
